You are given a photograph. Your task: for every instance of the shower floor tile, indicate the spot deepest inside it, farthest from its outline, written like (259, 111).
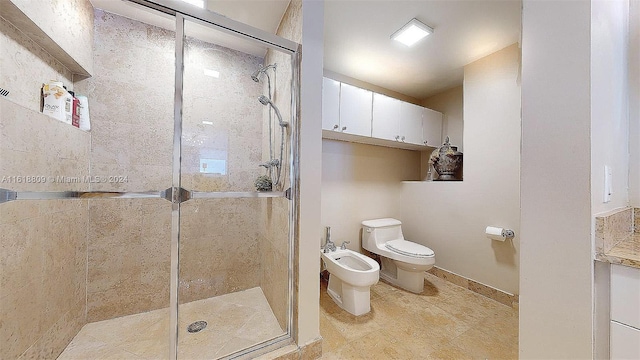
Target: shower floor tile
(446, 321)
(234, 321)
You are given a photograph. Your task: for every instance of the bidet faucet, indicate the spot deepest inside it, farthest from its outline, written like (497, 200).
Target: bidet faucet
(344, 245)
(329, 245)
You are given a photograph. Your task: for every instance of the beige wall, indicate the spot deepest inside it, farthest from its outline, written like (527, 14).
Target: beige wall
(610, 102)
(310, 157)
(450, 217)
(21, 55)
(42, 243)
(362, 182)
(556, 264)
(634, 102)
(61, 27)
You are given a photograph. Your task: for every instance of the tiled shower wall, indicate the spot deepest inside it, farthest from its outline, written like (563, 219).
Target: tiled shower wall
(25, 66)
(274, 242)
(131, 106)
(42, 243)
(132, 97)
(66, 262)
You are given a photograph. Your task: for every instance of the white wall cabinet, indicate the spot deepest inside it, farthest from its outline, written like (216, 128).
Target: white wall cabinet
(410, 124)
(358, 115)
(431, 127)
(330, 104)
(386, 112)
(625, 312)
(355, 110)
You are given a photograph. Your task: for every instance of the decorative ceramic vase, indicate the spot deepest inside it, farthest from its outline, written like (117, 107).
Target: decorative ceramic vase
(446, 160)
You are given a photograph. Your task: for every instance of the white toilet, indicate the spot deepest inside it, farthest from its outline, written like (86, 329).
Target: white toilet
(351, 275)
(403, 262)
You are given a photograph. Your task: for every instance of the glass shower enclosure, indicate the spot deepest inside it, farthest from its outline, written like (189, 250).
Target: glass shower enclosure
(173, 225)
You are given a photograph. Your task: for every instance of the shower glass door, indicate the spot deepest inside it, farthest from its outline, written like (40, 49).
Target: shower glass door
(234, 268)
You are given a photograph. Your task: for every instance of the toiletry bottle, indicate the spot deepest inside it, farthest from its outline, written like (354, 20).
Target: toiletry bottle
(75, 110)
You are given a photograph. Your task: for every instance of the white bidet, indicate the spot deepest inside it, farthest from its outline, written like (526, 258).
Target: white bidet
(351, 274)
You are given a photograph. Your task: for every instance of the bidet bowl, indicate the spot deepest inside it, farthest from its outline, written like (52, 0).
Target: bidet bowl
(352, 267)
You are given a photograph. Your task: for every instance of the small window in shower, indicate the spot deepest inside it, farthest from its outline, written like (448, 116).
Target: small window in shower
(214, 165)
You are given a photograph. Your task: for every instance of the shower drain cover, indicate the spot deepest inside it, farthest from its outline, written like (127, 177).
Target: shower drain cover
(197, 326)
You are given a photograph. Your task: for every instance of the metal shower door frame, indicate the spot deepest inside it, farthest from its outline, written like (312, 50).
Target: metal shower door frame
(183, 12)
(176, 194)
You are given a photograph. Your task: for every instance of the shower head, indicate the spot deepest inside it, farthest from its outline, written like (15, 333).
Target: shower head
(254, 76)
(265, 101)
(263, 70)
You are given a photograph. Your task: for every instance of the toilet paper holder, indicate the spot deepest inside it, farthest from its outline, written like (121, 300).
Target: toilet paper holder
(500, 234)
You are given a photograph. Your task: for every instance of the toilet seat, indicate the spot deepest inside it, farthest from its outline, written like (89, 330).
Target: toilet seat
(409, 248)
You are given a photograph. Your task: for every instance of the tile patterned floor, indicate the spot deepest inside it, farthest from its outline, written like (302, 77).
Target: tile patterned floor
(235, 321)
(444, 322)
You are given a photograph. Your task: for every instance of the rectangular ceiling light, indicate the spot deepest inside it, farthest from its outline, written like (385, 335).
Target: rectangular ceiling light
(198, 3)
(212, 73)
(412, 32)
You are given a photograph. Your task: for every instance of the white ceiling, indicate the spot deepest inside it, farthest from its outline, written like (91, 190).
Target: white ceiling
(358, 45)
(357, 37)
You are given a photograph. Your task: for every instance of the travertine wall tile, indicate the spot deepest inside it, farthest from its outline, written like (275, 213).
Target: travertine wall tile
(25, 66)
(274, 245)
(42, 276)
(53, 154)
(71, 30)
(128, 256)
(219, 250)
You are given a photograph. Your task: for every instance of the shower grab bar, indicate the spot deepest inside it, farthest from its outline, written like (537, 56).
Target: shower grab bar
(236, 194)
(9, 195)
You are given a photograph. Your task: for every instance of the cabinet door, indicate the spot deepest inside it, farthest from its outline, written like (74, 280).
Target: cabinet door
(410, 124)
(355, 110)
(625, 342)
(330, 104)
(625, 295)
(431, 127)
(386, 112)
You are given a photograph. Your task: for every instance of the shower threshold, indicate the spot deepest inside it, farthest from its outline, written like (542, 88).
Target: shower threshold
(235, 321)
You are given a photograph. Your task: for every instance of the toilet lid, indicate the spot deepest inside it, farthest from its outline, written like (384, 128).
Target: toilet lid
(408, 248)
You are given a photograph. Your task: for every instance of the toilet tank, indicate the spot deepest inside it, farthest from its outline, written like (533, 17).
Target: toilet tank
(378, 231)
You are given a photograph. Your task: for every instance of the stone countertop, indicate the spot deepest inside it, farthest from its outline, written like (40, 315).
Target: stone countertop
(626, 252)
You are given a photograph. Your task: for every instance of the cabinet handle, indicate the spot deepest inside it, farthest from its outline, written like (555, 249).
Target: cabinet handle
(403, 139)
(335, 127)
(397, 137)
(425, 142)
(344, 128)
